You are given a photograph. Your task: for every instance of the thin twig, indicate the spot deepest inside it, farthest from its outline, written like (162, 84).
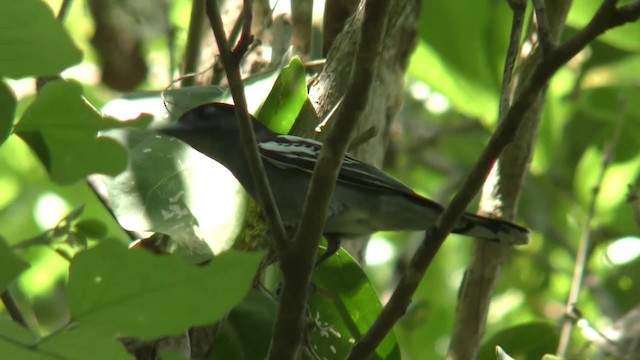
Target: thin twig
(13, 309)
(545, 37)
(231, 64)
(519, 8)
(297, 264)
(194, 43)
(605, 18)
(64, 10)
(586, 244)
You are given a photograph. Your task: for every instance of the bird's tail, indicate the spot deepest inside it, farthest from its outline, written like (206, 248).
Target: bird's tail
(492, 229)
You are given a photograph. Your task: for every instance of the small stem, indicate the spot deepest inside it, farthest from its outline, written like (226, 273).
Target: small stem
(232, 66)
(194, 42)
(13, 309)
(586, 244)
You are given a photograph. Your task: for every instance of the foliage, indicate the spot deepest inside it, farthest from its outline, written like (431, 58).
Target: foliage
(83, 290)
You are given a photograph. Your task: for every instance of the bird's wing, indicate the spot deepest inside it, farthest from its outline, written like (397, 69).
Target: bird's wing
(296, 153)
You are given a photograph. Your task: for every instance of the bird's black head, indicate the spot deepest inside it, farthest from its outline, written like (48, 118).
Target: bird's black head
(211, 121)
(215, 119)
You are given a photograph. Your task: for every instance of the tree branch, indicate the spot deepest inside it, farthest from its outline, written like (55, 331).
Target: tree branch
(231, 62)
(482, 272)
(13, 309)
(545, 38)
(194, 42)
(297, 264)
(586, 244)
(608, 16)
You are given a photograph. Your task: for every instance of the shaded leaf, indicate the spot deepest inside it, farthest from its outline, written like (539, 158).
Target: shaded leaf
(343, 308)
(7, 111)
(16, 342)
(92, 228)
(246, 333)
(132, 293)
(527, 341)
(11, 266)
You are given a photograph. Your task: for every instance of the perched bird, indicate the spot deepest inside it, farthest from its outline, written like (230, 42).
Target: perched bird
(365, 199)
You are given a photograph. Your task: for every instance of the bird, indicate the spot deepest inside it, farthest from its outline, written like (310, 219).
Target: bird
(365, 199)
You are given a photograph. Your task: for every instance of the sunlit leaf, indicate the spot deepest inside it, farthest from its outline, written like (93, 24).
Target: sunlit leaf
(286, 98)
(61, 127)
(170, 188)
(37, 44)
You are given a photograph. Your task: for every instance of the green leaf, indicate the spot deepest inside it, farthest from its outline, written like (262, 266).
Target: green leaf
(61, 127)
(460, 53)
(502, 355)
(527, 341)
(286, 98)
(7, 111)
(184, 99)
(33, 42)
(83, 344)
(171, 188)
(113, 290)
(16, 342)
(246, 333)
(345, 306)
(11, 267)
(92, 228)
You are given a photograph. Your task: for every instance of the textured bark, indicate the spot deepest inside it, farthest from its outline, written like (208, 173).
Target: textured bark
(500, 197)
(386, 97)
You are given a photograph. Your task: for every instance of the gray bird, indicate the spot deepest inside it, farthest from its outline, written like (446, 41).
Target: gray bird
(365, 200)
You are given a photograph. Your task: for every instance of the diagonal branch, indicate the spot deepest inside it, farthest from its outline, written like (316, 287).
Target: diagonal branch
(607, 17)
(231, 62)
(586, 243)
(297, 264)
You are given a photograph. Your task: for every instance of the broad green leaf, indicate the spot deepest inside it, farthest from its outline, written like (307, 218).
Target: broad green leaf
(7, 111)
(33, 42)
(459, 52)
(343, 308)
(286, 98)
(11, 266)
(528, 341)
(83, 344)
(246, 333)
(113, 290)
(170, 188)
(61, 127)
